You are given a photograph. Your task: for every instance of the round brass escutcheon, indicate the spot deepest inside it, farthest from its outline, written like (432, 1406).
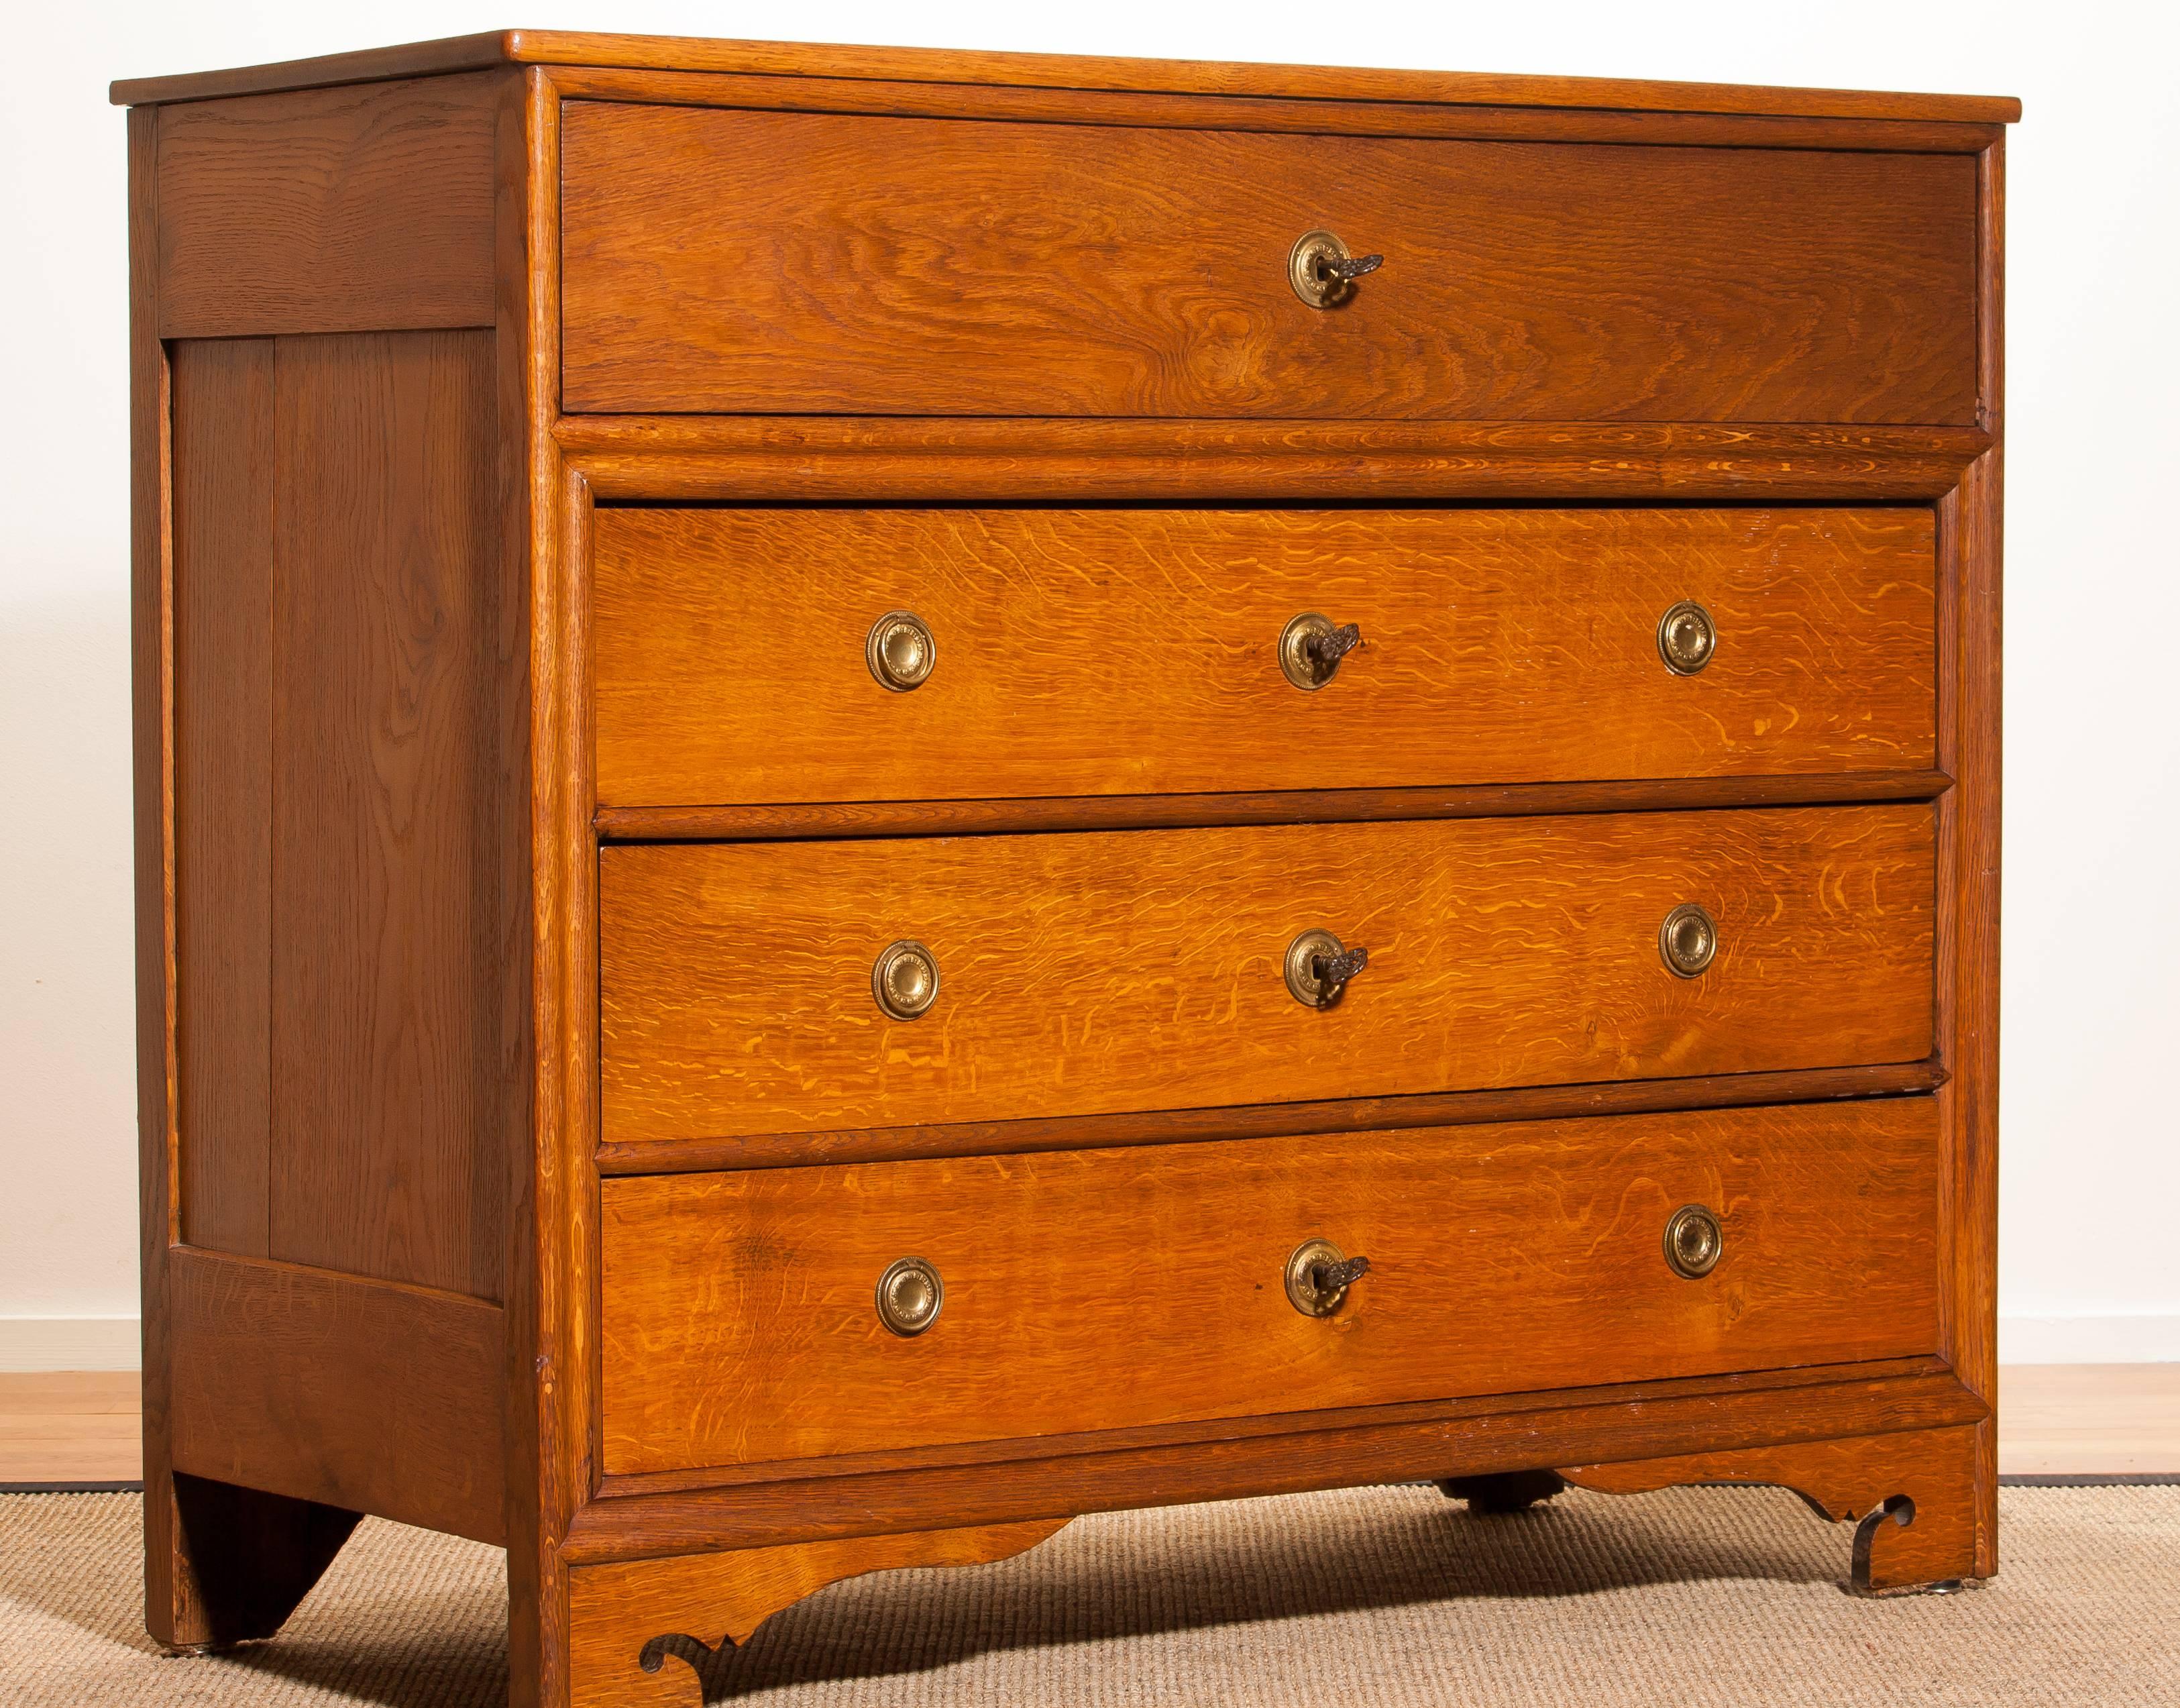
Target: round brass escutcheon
(1303, 1293)
(1301, 660)
(1694, 1241)
(1686, 638)
(1688, 939)
(906, 979)
(1303, 983)
(911, 1296)
(1308, 264)
(900, 651)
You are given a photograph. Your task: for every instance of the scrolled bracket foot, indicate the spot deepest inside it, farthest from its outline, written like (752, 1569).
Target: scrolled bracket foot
(628, 1622)
(1912, 1497)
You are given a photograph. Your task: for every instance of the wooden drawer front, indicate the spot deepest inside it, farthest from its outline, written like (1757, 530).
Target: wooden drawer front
(729, 261)
(1098, 1290)
(1143, 970)
(1135, 651)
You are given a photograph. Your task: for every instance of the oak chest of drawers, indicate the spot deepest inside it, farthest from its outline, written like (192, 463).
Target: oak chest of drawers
(883, 796)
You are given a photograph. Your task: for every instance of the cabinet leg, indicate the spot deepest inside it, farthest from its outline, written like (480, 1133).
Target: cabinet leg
(1503, 1491)
(223, 1564)
(638, 1630)
(1914, 1497)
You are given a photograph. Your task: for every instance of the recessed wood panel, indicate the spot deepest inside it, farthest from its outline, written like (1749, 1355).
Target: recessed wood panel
(1117, 652)
(224, 459)
(1098, 1290)
(1099, 973)
(731, 262)
(400, 899)
(355, 209)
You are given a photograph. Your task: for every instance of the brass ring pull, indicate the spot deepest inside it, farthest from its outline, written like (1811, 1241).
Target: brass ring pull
(1319, 1275)
(1686, 638)
(1694, 1241)
(1321, 270)
(1688, 939)
(911, 1296)
(904, 979)
(1319, 966)
(1311, 647)
(900, 651)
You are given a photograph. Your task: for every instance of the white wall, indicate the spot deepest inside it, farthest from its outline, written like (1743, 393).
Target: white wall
(2092, 1143)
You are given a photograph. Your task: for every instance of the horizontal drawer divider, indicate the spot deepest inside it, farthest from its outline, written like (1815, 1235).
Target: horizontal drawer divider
(1308, 116)
(1276, 1423)
(875, 818)
(1782, 1381)
(1267, 1121)
(880, 459)
(632, 1518)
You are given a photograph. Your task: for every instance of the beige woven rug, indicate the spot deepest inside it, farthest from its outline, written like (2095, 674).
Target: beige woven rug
(1377, 1598)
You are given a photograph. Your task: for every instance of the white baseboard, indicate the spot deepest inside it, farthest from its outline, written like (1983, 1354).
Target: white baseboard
(111, 1343)
(70, 1343)
(2145, 1339)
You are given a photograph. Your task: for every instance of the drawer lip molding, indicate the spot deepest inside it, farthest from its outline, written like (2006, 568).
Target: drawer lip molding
(969, 459)
(1030, 815)
(628, 1519)
(1785, 1379)
(1269, 1120)
(1181, 110)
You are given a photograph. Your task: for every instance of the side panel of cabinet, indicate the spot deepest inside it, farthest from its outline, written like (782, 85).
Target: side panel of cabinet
(350, 837)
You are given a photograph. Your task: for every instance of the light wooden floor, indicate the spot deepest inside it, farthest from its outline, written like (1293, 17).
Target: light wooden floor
(2064, 1419)
(70, 1426)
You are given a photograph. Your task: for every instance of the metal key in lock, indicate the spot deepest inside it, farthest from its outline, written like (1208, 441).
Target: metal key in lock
(1319, 1275)
(1318, 967)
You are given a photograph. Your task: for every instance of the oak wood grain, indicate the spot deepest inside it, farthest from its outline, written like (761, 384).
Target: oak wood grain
(367, 1396)
(221, 1563)
(1103, 1290)
(1140, 970)
(342, 209)
(867, 460)
(1043, 1449)
(1268, 1120)
(1234, 1461)
(1972, 716)
(397, 888)
(794, 821)
(619, 1610)
(1135, 651)
(175, 1599)
(224, 461)
(1319, 117)
(1061, 71)
(1931, 1541)
(544, 1422)
(910, 267)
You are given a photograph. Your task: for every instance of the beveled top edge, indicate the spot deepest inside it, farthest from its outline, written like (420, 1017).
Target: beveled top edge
(1057, 71)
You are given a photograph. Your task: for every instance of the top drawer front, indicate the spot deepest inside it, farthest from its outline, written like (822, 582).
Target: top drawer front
(734, 262)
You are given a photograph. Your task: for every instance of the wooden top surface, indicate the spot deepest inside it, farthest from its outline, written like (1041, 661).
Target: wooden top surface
(1055, 71)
